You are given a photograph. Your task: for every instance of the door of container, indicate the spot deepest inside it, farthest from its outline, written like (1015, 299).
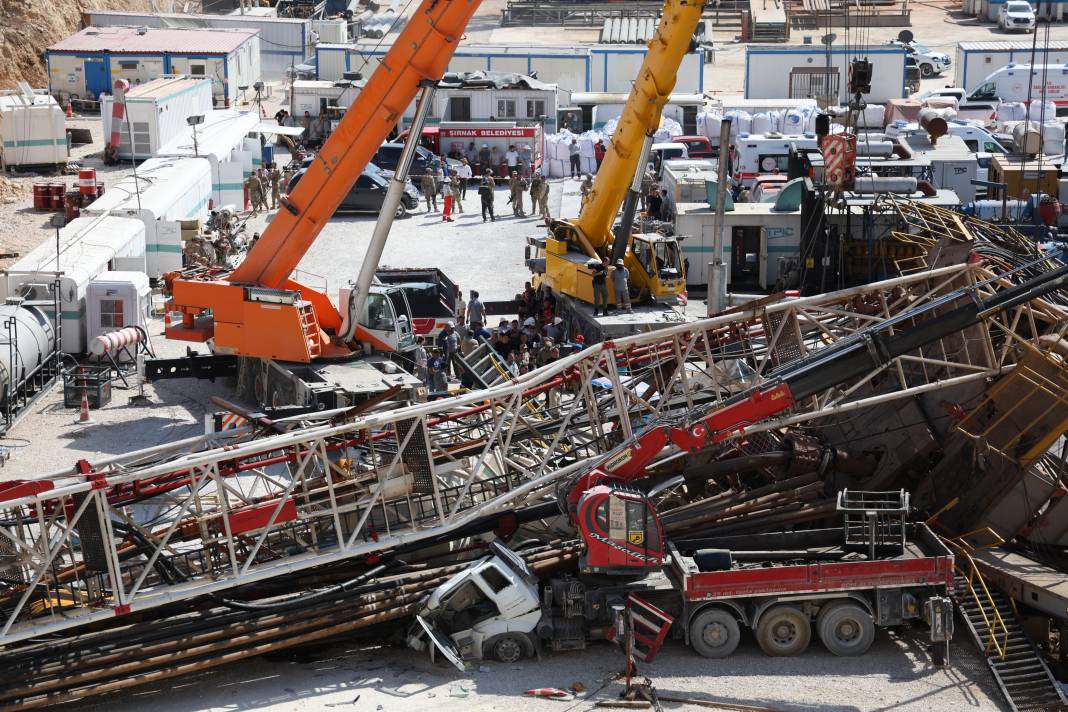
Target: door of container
(96, 78)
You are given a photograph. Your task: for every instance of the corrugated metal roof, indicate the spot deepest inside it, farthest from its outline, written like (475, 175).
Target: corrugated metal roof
(164, 86)
(1008, 46)
(133, 40)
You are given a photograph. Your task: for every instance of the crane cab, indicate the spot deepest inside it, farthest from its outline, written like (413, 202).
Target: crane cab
(385, 322)
(660, 261)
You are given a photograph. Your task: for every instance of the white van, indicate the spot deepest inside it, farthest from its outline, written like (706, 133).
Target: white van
(765, 153)
(661, 152)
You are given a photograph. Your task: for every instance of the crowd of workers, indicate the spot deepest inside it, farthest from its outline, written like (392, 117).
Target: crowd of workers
(536, 337)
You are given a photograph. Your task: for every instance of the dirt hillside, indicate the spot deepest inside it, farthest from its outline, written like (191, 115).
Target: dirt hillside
(28, 27)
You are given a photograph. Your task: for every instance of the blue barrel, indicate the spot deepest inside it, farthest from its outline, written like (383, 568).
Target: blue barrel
(268, 154)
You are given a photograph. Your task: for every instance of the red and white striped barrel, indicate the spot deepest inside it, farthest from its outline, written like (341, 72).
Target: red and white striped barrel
(118, 109)
(115, 340)
(87, 181)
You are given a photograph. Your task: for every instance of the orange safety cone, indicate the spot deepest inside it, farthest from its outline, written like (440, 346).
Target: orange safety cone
(70, 110)
(83, 414)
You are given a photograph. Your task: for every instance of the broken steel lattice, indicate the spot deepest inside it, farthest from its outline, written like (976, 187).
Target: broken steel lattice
(175, 522)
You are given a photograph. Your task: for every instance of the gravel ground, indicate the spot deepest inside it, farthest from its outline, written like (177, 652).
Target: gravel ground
(894, 675)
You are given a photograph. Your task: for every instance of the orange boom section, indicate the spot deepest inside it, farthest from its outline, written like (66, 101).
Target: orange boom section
(257, 310)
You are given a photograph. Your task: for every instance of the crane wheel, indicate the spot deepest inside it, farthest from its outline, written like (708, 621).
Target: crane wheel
(783, 631)
(846, 629)
(714, 633)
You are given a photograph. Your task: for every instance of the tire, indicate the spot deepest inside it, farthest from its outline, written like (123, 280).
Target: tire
(506, 649)
(926, 71)
(714, 633)
(846, 629)
(783, 632)
(401, 212)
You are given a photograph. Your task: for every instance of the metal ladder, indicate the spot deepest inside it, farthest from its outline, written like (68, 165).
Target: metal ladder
(484, 365)
(310, 326)
(1017, 665)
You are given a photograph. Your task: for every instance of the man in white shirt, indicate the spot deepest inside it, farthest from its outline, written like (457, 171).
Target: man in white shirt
(511, 157)
(464, 172)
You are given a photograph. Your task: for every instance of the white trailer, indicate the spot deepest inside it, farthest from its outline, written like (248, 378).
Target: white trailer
(88, 247)
(33, 128)
(162, 193)
(217, 138)
(803, 72)
(977, 60)
(758, 241)
(158, 112)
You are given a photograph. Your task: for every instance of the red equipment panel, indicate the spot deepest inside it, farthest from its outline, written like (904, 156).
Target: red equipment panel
(257, 516)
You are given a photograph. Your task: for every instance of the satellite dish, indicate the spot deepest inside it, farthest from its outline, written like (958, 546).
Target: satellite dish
(829, 38)
(905, 36)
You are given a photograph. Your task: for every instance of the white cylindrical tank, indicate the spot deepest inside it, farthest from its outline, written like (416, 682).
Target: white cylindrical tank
(26, 339)
(878, 184)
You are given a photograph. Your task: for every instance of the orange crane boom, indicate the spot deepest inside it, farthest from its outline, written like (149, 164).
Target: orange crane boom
(258, 310)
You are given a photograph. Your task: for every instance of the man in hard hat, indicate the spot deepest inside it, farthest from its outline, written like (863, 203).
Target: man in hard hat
(599, 270)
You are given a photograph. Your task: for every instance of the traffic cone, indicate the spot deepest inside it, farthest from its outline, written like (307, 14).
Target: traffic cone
(83, 414)
(70, 110)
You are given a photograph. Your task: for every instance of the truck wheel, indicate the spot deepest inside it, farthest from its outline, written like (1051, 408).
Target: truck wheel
(926, 70)
(783, 631)
(846, 629)
(714, 633)
(507, 649)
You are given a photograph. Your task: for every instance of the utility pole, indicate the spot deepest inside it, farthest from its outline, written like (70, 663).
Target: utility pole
(717, 271)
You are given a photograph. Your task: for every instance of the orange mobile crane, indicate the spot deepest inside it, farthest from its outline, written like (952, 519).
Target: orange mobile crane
(258, 309)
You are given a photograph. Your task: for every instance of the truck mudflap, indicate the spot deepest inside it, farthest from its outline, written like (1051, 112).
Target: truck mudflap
(938, 612)
(440, 642)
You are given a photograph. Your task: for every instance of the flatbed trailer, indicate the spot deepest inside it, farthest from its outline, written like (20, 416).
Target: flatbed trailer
(779, 584)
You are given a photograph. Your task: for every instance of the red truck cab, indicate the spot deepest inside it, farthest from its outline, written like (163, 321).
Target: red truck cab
(696, 146)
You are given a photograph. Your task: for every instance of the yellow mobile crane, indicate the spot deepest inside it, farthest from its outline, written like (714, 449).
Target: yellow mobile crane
(654, 261)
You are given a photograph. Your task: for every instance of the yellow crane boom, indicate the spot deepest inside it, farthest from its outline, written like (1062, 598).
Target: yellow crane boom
(640, 118)
(654, 262)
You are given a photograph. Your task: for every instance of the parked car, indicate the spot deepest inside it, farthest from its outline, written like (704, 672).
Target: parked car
(929, 62)
(368, 193)
(1015, 16)
(388, 156)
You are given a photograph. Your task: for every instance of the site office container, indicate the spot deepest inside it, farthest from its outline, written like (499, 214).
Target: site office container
(283, 41)
(89, 246)
(222, 132)
(116, 300)
(953, 165)
(158, 112)
(33, 128)
(598, 108)
(162, 193)
(978, 60)
(756, 231)
(803, 72)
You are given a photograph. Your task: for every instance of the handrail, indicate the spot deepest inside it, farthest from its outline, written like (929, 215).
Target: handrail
(964, 550)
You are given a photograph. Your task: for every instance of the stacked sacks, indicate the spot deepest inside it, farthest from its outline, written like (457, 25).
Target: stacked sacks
(669, 129)
(1041, 111)
(1053, 138)
(708, 125)
(1011, 111)
(872, 116)
(741, 122)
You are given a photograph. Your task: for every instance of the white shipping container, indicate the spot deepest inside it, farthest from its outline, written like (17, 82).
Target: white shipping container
(164, 191)
(89, 246)
(802, 72)
(158, 112)
(33, 128)
(334, 31)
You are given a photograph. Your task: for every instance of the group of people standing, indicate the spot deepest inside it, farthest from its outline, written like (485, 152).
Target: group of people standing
(452, 186)
(261, 180)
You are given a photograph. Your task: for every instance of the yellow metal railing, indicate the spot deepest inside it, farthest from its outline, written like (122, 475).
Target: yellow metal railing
(995, 625)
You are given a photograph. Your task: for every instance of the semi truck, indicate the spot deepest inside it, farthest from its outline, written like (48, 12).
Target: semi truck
(841, 583)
